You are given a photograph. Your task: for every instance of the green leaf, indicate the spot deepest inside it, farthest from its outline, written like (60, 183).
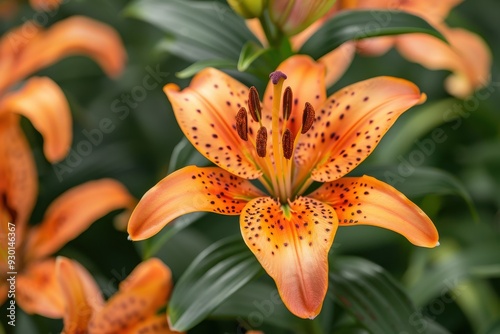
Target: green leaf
(262, 299)
(150, 247)
(494, 329)
(450, 276)
(359, 24)
(422, 120)
(200, 65)
(201, 30)
(185, 154)
(420, 181)
(217, 273)
(250, 52)
(374, 298)
(454, 267)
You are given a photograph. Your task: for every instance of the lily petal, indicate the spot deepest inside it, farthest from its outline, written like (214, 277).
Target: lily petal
(45, 5)
(306, 78)
(23, 53)
(44, 104)
(368, 201)
(77, 307)
(432, 11)
(73, 212)
(156, 324)
(375, 46)
(206, 112)
(19, 180)
(468, 57)
(350, 125)
(38, 290)
(140, 295)
(338, 61)
(292, 245)
(189, 189)
(8, 9)
(256, 28)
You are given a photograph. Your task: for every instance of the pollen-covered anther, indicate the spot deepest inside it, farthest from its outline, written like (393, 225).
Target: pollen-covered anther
(261, 142)
(307, 117)
(287, 142)
(287, 103)
(254, 104)
(242, 123)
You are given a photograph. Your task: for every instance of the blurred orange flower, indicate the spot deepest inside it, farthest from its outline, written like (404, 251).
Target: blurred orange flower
(467, 56)
(290, 233)
(10, 7)
(23, 51)
(131, 310)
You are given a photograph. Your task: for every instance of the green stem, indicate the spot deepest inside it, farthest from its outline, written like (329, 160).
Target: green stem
(273, 35)
(312, 327)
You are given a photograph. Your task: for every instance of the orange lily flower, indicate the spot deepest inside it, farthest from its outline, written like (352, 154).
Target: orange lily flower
(467, 56)
(131, 310)
(10, 7)
(287, 150)
(30, 47)
(45, 5)
(22, 52)
(67, 217)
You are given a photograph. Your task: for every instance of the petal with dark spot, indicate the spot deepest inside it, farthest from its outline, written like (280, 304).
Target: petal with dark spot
(368, 201)
(292, 244)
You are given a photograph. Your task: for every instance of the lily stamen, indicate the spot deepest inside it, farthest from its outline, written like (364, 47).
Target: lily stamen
(242, 123)
(307, 118)
(261, 142)
(287, 142)
(254, 104)
(287, 103)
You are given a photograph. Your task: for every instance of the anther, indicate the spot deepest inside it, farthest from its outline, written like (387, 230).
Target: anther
(307, 118)
(287, 142)
(242, 123)
(261, 142)
(254, 104)
(287, 103)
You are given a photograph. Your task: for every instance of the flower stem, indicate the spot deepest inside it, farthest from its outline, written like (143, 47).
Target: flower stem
(273, 35)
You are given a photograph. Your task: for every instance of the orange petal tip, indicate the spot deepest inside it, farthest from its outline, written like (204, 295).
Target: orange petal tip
(171, 87)
(423, 98)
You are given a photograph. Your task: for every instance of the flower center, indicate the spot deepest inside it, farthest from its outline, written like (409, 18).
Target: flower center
(276, 156)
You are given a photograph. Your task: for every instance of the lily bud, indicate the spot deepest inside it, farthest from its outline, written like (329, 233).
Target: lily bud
(293, 16)
(248, 9)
